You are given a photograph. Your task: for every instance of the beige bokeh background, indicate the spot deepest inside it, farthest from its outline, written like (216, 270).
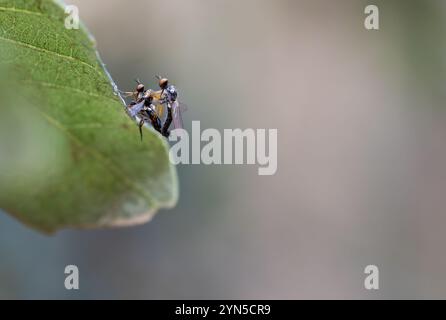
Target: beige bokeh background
(361, 174)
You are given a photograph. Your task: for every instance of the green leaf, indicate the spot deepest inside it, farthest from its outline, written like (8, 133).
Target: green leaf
(70, 156)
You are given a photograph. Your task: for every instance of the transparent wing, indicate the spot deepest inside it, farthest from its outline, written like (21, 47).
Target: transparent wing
(176, 115)
(126, 94)
(134, 109)
(160, 107)
(183, 107)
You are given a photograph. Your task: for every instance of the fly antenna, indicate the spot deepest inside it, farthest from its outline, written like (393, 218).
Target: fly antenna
(138, 81)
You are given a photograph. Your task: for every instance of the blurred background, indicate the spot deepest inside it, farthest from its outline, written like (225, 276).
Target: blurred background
(361, 166)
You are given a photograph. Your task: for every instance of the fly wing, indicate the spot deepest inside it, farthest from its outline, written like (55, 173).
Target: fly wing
(176, 115)
(183, 107)
(126, 94)
(133, 110)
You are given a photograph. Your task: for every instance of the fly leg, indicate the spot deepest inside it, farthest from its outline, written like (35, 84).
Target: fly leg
(140, 125)
(165, 131)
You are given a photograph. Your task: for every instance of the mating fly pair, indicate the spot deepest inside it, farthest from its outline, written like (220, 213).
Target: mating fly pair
(148, 106)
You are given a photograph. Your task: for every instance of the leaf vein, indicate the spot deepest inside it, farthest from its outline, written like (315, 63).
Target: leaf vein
(30, 46)
(57, 86)
(12, 9)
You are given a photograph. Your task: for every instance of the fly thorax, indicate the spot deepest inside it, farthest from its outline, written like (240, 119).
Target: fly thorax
(172, 93)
